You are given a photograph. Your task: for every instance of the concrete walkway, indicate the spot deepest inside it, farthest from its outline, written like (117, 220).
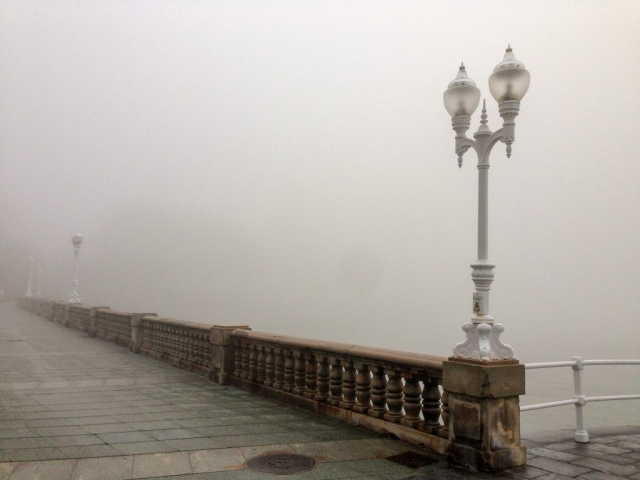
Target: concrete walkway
(75, 407)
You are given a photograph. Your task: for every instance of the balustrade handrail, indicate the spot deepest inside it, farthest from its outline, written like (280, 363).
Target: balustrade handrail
(579, 399)
(177, 323)
(383, 355)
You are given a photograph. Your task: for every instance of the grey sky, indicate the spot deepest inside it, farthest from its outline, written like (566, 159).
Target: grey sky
(290, 165)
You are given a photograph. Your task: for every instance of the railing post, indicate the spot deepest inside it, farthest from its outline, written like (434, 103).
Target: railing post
(223, 355)
(335, 382)
(378, 393)
(582, 435)
(484, 412)
(323, 379)
(93, 320)
(67, 316)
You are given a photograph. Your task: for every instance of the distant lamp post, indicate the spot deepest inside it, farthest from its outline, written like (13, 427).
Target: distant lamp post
(39, 290)
(508, 84)
(76, 241)
(29, 294)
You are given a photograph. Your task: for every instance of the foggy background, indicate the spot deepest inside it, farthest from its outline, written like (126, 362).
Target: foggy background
(290, 166)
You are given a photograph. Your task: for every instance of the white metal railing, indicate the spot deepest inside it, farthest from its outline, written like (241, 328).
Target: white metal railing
(579, 399)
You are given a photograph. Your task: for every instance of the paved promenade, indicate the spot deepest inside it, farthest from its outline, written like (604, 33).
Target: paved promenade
(75, 407)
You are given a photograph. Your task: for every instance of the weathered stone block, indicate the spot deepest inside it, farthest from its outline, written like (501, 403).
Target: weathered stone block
(484, 379)
(484, 413)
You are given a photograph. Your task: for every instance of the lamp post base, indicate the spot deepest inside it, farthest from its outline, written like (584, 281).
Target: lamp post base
(75, 298)
(483, 343)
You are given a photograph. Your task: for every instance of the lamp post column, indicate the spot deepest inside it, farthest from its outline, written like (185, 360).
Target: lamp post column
(76, 241)
(29, 294)
(39, 290)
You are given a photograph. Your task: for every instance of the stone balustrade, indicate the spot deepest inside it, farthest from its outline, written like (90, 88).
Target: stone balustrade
(79, 318)
(386, 390)
(184, 344)
(466, 409)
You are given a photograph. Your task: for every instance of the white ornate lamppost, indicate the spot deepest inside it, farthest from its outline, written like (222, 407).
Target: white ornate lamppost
(39, 290)
(508, 84)
(76, 241)
(29, 294)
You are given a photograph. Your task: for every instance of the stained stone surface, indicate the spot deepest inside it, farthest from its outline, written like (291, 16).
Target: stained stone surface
(74, 407)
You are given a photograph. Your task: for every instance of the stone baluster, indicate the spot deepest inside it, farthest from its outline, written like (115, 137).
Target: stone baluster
(237, 361)
(323, 380)
(378, 393)
(444, 431)
(253, 364)
(262, 365)
(335, 383)
(363, 389)
(394, 397)
(289, 372)
(412, 402)
(279, 367)
(246, 354)
(301, 367)
(431, 406)
(348, 386)
(271, 367)
(311, 382)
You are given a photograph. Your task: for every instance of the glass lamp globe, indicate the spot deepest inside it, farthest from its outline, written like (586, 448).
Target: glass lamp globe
(509, 80)
(462, 97)
(77, 239)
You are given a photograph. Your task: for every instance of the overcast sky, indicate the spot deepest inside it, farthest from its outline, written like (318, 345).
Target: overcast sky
(290, 165)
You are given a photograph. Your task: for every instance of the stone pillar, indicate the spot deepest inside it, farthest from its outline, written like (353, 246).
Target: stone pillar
(137, 330)
(484, 412)
(223, 353)
(93, 321)
(67, 317)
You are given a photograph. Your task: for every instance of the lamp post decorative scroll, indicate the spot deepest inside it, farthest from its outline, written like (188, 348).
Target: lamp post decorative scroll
(76, 241)
(29, 294)
(508, 84)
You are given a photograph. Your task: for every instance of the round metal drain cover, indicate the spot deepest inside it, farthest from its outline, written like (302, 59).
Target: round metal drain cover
(281, 463)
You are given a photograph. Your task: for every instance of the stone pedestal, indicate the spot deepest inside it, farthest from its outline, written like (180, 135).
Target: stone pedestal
(223, 353)
(484, 412)
(93, 321)
(137, 330)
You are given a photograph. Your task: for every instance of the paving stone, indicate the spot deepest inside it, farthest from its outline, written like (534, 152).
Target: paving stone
(137, 448)
(174, 433)
(600, 476)
(555, 466)
(527, 472)
(607, 467)
(89, 451)
(6, 469)
(51, 470)
(59, 431)
(554, 454)
(600, 448)
(74, 440)
(620, 459)
(555, 476)
(106, 468)
(33, 454)
(216, 460)
(125, 437)
(202, 443)
(158, 464)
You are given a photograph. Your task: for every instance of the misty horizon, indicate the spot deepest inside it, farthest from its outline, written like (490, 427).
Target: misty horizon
(290, 166)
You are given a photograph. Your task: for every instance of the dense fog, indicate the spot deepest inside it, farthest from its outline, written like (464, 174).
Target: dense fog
(290, 166)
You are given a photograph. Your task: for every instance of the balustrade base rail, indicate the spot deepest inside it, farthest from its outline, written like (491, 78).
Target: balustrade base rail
(466, 410)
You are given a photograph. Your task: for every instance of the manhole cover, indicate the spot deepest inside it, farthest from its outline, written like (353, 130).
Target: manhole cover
(281, 463)
(412, 459)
